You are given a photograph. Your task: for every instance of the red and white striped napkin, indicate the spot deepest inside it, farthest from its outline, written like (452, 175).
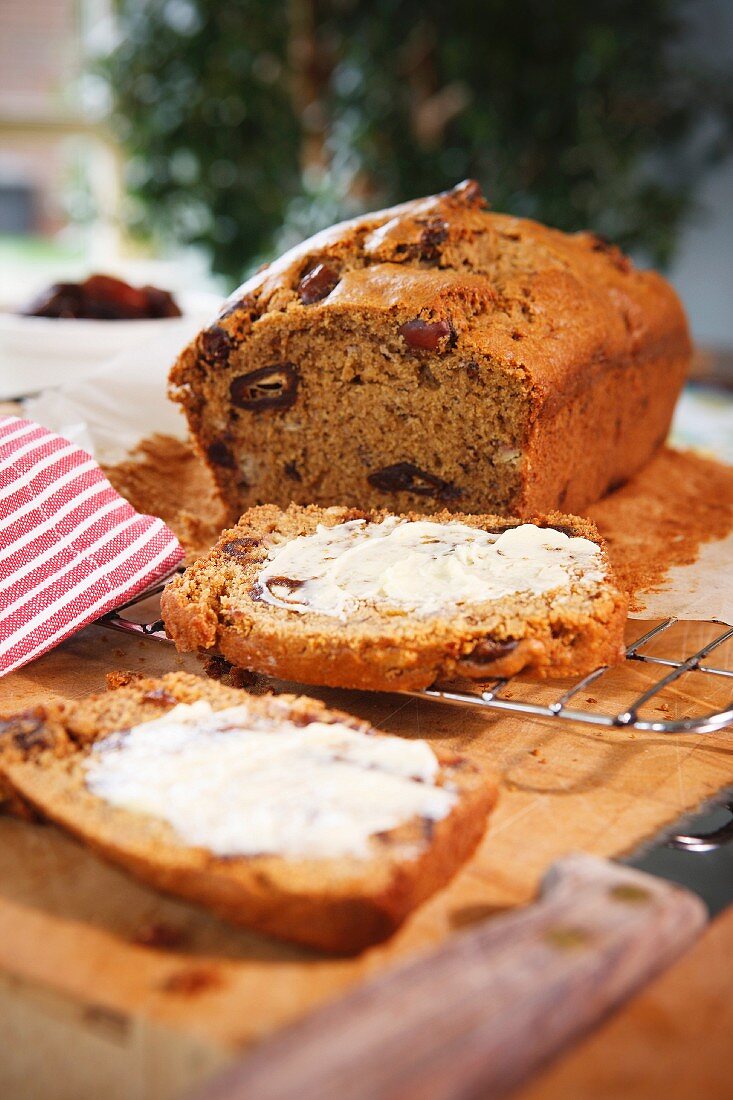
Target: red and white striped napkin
(71, 548)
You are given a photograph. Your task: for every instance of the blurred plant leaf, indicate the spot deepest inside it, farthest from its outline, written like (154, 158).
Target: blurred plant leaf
(250, 124)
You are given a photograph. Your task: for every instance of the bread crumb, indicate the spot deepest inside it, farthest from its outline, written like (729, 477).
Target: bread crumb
(661, 517)
(159, 934)
(120, 678)
(218, 668)
(164, 477)
(192, 982)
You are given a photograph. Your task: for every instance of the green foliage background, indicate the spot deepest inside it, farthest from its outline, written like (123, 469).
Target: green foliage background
(249, 124)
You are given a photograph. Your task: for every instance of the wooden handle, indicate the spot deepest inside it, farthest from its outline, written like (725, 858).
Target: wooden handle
(476, 1016)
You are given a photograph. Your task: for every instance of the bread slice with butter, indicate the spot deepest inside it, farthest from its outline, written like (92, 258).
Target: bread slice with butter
(272, 811)
(389, 602)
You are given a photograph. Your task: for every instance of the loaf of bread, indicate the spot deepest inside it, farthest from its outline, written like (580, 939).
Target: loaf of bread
(274, 812)
(436, 354)
(397, 602)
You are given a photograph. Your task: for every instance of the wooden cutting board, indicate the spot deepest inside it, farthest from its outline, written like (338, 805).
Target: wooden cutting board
(673, 1040)
(110, 989)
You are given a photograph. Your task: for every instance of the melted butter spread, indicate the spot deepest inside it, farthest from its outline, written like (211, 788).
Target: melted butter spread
(238, 784)
(422, 567)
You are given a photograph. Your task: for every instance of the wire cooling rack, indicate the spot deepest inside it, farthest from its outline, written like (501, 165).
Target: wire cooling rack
(629, 717)
(495, 696)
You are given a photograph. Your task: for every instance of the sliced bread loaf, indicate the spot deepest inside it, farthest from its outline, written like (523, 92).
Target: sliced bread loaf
(272, 811)
(434, 355)
(397, 602)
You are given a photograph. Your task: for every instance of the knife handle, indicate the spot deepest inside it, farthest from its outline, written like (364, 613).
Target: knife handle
(476, 1016)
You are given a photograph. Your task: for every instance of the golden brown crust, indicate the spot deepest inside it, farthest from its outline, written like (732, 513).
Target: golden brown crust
(436, 353)
(336, 905)
(212, 607)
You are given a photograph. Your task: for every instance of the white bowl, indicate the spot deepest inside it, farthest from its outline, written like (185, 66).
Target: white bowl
(41, 352)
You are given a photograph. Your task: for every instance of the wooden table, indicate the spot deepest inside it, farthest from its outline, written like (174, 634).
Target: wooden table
(110, 989)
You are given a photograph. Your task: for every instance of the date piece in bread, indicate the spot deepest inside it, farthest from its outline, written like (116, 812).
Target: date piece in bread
(434, 355)
(143, 784)
(400, 601)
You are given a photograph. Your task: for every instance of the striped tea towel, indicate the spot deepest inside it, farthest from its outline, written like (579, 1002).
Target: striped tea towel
(71, 548)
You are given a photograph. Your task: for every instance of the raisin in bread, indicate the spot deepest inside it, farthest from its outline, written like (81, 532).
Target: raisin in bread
(436, 354)
(388, 602)
(274, 812)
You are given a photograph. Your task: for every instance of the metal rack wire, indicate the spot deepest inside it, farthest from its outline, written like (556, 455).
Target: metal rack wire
(494, 696)
(627, 718)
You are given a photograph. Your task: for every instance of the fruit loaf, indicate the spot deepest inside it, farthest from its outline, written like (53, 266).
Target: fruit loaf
(391, 602)
(436, 354)
(274, 812)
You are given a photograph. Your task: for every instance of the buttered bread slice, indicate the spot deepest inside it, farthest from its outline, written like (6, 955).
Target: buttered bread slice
(390, 602)
(274, 812)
